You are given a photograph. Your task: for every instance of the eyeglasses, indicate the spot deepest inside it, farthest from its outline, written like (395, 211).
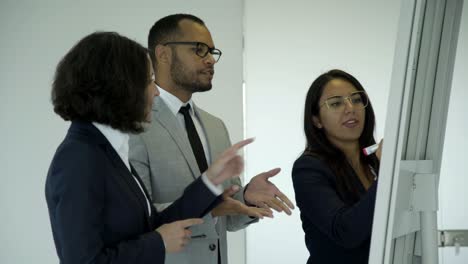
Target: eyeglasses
(358, 100)
(201, 49)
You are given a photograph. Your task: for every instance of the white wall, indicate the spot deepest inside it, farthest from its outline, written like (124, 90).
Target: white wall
(34, 36)
(288, 45)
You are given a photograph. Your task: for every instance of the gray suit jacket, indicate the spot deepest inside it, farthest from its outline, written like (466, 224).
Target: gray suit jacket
(163, 158)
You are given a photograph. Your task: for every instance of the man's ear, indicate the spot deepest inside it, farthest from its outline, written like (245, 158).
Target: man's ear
(162, 53)
(317, 122)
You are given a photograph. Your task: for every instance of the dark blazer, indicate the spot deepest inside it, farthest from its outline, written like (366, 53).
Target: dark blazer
(97, 211)
(336, 229)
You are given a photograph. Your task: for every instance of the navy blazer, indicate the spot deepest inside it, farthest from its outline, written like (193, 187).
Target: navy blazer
(336, 230)
(97, 210)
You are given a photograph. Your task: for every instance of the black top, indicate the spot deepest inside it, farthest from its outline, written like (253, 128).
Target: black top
(97, 211)
(336, 229)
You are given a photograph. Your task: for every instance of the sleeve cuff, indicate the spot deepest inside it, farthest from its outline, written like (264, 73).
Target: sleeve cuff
(215, 189)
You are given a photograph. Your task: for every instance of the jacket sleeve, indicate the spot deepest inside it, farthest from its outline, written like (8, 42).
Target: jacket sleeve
(316, 196)
(196, 201)
(76, 201)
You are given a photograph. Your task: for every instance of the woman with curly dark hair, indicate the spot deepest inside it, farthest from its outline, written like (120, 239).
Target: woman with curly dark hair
(334, 181)
(98, 206)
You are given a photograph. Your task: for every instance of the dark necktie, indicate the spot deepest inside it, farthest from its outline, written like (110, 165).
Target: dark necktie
(194, 139)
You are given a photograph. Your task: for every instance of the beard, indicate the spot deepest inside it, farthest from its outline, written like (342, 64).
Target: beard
(187, 79)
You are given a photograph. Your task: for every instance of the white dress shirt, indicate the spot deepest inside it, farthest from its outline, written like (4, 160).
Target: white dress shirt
(119, 141)
(174, 105)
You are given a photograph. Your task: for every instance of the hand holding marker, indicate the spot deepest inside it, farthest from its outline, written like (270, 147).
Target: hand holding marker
(376, 148)
(370, 150)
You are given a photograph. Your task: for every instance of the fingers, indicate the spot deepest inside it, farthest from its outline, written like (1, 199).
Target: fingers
(250, 211)
(230, 191)
(187, 233)
(380, 145)
(284, 207)
(265, 212)
(271, 173)
(283, 198)
(184, 239)
(232, 169)
(275, 204)
(242, 143)
(229, 164)
(279, 203)
(232, 151)
(256, 212)
(262, 205)
(190, 222)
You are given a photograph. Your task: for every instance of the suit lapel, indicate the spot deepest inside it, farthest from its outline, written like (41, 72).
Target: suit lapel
(126, 177)
(211, 133)
(137, 177)
(163, 115)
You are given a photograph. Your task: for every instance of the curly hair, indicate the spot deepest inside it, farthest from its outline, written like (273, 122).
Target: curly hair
(103, 79)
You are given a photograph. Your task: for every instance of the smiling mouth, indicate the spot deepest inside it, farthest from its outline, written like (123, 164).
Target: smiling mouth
(351, 123)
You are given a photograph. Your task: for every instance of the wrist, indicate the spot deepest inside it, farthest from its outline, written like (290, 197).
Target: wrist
(246, 199)
(216, 189)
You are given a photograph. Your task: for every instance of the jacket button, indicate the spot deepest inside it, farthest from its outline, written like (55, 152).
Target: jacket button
(212, 247)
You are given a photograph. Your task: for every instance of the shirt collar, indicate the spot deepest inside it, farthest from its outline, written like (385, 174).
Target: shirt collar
(173, 102)
(117, 139)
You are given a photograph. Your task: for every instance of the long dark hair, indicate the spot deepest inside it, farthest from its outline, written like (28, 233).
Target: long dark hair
(103, 79)
(318, 144)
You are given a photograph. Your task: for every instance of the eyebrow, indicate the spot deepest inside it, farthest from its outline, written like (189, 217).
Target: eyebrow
(343, 95)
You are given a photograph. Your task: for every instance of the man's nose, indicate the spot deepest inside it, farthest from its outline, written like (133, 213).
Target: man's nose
(209, 59)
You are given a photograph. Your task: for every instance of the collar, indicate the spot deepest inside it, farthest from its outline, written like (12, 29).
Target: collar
(173, 102)
(117, 139)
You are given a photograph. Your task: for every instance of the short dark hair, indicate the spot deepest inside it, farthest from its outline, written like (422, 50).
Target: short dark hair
(317, 142)
(103, 79)
(166, 29)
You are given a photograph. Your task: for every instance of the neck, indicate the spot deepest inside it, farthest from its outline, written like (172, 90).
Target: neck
(174, 89)
(351, 151)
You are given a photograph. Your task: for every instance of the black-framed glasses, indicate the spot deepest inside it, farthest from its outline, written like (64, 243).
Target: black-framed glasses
(201, 49)
(358, 100)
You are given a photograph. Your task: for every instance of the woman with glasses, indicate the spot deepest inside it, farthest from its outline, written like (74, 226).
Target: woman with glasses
(334, 182)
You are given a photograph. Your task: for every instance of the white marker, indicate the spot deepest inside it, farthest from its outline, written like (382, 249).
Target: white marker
(371, 149)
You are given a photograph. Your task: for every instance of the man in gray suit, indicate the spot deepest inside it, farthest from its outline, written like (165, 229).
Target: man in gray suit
(183, 139)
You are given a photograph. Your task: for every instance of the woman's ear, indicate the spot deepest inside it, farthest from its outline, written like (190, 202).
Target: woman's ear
(317, 122)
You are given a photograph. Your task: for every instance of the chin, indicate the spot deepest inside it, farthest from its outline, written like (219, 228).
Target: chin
(350, 137)
(148, 118)
(201, 88)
